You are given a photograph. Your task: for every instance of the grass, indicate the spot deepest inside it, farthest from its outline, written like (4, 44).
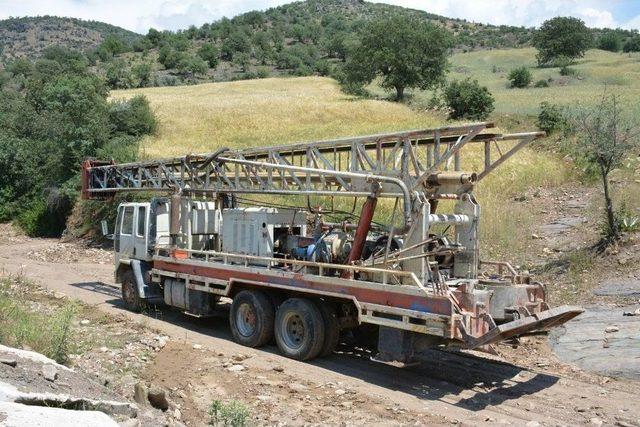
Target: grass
(203, 118)
(617, 72)
(239, 114)
(49, 333)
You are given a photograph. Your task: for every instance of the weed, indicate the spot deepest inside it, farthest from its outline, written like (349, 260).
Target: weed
(21, 325)
(232, 413)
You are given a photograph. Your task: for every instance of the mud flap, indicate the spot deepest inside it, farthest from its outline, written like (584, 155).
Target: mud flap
(145, 290)
(535, 323)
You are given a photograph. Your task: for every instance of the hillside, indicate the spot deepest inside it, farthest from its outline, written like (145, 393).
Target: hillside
(28, 36)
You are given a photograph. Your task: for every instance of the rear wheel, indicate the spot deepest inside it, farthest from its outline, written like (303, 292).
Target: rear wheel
(299, 329)
(331, 328)
(251, 318)
(130, 296)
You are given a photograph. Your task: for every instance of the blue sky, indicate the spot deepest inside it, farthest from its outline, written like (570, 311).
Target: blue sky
(140, 15)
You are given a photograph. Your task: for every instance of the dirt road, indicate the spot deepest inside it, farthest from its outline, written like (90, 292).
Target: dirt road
(347, 387)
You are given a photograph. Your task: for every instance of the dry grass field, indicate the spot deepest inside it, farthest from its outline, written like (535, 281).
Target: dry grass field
(202, 118)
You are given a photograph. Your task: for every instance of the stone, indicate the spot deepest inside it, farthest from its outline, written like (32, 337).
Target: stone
(49, 372)
(596, 421)
(10, 362)
(532, 424)
(158, 398)
(140, 393)
(85, 322)
(177, 414)
(240, 357)
(236, 368)
(131, 422)
(611, 329)
(297, 387)
(340, 392)
(278, 368)
(197, 347)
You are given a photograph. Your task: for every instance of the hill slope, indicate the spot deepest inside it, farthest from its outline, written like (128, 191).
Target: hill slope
(29, 36)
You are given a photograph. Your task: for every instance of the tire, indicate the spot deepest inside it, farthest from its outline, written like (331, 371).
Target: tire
(331, 328)
(251, 318)
(130, 296)
(299, 329)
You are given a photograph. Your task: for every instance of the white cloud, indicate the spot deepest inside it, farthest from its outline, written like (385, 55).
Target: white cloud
(632, 24)
(140, 15)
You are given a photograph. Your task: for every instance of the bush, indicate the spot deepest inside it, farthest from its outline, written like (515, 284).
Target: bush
(551, 118)
(133, 117)
(209, 53)
(568, 71)
(541, 83)
(520, 77)
(262, 72)
(467, 99)
(610, 41)
(233, 414)
(39, 220)
(632, 44)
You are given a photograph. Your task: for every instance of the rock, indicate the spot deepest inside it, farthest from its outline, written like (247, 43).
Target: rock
(104, 349)
(278, 368)
(158, 399)
(140, 393)
(297, 387)
(10, 362)
(596, 421)
(131, 422)
(49, 372)
(534, 236)
(263, 398)
(611, 329)
(85, 322)
(346, 404)
(236, 368)
(177, 414)
(340, 392)
(197, 347)
(240, 357)
(532, 424)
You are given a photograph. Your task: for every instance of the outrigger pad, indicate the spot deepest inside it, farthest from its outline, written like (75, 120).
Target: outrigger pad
(535, 323)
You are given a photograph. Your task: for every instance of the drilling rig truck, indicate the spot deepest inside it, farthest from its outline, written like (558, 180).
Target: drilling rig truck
(313, 239)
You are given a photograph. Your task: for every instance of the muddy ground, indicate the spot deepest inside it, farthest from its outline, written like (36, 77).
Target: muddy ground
(196, 361)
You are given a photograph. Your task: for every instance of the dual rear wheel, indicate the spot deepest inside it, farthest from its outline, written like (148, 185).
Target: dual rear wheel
(303, 328)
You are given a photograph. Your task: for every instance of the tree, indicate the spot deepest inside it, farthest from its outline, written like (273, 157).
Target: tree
(237, 42)
(632, 44)
(520, 77)
(562, 37)
(404, 52)
(467, 99)
(142, 72)
(209, 53)
(606, 136)
(610, 41)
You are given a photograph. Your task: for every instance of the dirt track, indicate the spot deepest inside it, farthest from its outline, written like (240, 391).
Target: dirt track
(454, 388)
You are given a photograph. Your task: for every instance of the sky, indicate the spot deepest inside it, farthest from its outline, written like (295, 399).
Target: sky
(140, 15)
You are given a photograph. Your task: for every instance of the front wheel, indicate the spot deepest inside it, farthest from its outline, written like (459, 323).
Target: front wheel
(299, 329)
(130, 296)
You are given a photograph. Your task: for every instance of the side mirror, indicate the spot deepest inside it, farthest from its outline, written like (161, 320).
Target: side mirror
(105, 229)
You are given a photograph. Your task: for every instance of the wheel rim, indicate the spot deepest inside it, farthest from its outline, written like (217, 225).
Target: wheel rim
(293, 332)
(246, 320)
(128, 296)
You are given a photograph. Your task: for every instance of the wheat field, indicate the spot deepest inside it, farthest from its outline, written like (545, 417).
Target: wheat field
(202, 118)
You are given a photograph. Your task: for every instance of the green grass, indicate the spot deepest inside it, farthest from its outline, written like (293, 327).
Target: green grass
(22, 325)
(617, 72)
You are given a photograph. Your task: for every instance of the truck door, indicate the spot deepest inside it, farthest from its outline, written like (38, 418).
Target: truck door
(126, 229)
(141, 235)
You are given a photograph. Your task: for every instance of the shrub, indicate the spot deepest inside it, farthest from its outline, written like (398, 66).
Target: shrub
(233, 414)
(191, 65)
(541, 83)
(632, 44)
(132, 117)
(520, 77)
(610, 41)
(467, 99)
(262, 72)
(551, 118)
(39, 220)
(568, 71)
(209, 53)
